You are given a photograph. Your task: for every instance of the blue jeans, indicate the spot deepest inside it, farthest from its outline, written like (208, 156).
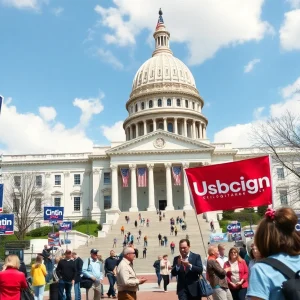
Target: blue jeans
(49, 267)
(64, 286)
(77, 291)
(159, 278)
(112, 280)
(39, 292)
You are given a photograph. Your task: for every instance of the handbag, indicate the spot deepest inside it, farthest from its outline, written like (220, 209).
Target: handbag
(86, 283)
(26, 294)
(205, 289)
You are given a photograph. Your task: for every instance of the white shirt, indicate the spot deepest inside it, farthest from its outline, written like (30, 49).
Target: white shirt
(221, 260)
(235, 273)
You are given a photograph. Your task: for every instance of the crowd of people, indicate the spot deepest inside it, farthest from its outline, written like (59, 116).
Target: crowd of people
(256, 274)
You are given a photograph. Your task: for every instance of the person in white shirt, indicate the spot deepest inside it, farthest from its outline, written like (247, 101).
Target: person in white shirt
(222, 257)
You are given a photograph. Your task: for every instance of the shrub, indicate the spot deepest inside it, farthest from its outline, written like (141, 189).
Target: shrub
(42, 231)
(85, 221)
(261, 210)
(99, 227)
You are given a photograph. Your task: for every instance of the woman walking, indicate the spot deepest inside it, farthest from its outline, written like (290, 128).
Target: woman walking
(12, 281)
(165, 269)
(237, 277)
(38, 273)
(277, 238)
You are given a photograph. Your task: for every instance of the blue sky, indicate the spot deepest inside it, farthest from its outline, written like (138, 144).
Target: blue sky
(67, 66)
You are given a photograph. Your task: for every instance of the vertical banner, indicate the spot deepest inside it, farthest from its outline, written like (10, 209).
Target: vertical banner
(1, 197)
(176, 172)
(245, 183)
(53, 214)
(53, 239)
(125, 176)
(142, 177)
(7, 224)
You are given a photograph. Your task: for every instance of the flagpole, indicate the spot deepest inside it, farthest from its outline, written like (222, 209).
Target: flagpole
(271, 180)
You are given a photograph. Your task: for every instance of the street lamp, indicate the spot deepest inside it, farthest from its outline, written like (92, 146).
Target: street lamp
(88, 220)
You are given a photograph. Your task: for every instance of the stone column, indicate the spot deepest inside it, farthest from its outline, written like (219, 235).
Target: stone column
(175, 126)
(114, 188)
(96, 194)
(151, 188)
(137, 130)
(194, 130)
(204, 131)
(145, 127)
(131, 132)
(165, 124)
(187, 199)
(184, 127)
(170, 205)
(154, 124)
(133, 188)
(67, 191)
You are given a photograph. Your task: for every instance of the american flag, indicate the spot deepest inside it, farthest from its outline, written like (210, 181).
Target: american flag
(160, 21)
(125, 176)
(176, 171)
(1, 100)
(142, 177)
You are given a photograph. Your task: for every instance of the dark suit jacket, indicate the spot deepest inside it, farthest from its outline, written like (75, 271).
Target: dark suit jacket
(187, 279)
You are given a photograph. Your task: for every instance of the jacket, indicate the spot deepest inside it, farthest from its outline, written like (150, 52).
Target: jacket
(38, 274)
(243, 272)
(216, 274)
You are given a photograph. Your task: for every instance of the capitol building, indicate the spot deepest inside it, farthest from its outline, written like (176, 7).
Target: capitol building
(165, 133)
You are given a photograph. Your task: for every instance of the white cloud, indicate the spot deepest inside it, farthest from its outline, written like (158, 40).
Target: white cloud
(25, 4)
(250, 65)
(89, 107)
(204, 26)
(291, 89)
(108, 57)
(47, 113)
(57, 11)
(294, 3)
(290, 31)
(239, 134)
(115, 133)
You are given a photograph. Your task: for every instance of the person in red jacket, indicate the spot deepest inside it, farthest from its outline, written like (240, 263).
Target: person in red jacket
(237, 278)
(11, 279)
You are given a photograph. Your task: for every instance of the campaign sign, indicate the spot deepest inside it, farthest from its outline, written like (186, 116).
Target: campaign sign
(53, 214)
(7, 224)
(218, 237)
(53, 239)
(1, 197)
(65, 242)
(237, 236)
(234, 227)
(65, 226)
(248, 233)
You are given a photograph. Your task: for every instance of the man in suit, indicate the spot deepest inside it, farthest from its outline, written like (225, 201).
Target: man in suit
(187, 267)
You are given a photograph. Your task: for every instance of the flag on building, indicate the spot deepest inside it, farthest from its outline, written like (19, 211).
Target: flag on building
(176, 172)
(160, 19)
(1, 100)
(142, 177)
(228, 186)
(125, 176)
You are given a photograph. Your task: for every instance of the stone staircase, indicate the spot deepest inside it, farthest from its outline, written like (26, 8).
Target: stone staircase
(104, 245)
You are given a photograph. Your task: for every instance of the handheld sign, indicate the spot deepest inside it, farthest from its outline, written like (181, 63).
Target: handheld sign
(234, 227)
(237, 237)
(53, 214)
(53, 239)
(1, 197)
(248, 233)
(65, 226)
(7, 224)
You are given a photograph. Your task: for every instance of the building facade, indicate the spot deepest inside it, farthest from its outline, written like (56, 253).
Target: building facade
(165, 133)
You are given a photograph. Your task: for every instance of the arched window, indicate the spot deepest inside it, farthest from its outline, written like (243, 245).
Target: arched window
(178, 102)
(186, 103)
(170, 127)
(150, 104)
(136, 108)
(169, 102)
(161, 125)
(142, 105)
(193, 105)
(159, 102)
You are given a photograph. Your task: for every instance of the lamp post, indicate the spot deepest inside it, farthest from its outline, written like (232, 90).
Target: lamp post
(88, 219)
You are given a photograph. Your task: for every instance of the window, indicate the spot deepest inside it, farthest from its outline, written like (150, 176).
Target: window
(159, 102)
(193, 105)
(169, 102)
(16, 205)
(38, 181)
(178, 102)
(57, 179)
(170, 127)
(76, 179)
(150, 127)
(107, 202)
(136, 108)
(107, 178)
(150, 104)
(283, 197)
(56, 201)
(143, 105)
(280, 173)
(37, 225)
(76, 203)
(161, 125)
(38, 205)
(186, 103)
(17, 181)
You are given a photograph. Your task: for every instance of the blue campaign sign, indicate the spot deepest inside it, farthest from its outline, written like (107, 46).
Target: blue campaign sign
(1, 197)
(248, 233)
(234, 227)
(237, 236)
(7, 224)
(53, 214)
(218, 237)
(65, 226)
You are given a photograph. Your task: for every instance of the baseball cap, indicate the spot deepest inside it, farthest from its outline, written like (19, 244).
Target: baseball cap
(94, 251)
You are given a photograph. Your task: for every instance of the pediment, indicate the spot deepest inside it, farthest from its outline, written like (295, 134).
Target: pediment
(161, 141)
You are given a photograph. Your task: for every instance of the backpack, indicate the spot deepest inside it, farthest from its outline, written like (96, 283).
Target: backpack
(291, 287)
(86, 282)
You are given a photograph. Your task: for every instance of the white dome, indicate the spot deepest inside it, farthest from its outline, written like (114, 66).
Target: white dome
(163, 68)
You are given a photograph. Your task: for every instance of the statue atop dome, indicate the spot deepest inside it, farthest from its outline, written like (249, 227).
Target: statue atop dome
(160, 21)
